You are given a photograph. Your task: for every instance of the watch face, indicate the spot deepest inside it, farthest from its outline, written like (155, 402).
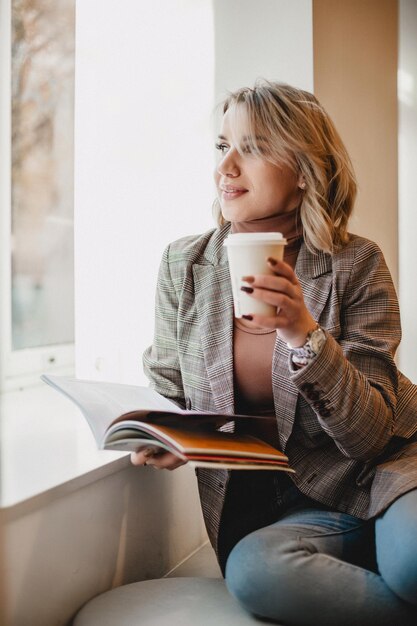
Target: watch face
(317, 339)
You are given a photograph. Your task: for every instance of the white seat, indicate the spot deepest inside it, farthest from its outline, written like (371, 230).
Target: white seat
(166, 602)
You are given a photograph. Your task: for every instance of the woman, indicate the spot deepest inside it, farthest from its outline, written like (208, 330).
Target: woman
(335, 543)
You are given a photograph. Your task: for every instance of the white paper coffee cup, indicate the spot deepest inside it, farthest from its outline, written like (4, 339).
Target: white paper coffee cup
(247, 254)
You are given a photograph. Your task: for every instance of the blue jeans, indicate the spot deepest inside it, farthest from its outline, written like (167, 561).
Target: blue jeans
(324, 568)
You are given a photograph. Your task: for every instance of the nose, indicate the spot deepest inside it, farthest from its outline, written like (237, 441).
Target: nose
(228, 165)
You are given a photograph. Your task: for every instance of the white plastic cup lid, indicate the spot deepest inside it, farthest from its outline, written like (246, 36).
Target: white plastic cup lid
(254, 238)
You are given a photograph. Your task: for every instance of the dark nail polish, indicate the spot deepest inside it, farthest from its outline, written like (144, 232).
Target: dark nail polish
(247, 317)
(247, 289)
(271, 260)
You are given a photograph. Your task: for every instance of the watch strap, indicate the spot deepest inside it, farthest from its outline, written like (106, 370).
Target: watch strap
(312, 347)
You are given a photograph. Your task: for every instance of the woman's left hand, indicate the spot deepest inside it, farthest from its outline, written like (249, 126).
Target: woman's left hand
(293, 320)
(159, 459)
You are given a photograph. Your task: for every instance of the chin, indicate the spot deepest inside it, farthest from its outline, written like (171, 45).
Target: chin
(235, 215)
(242, 216)
(231, 216)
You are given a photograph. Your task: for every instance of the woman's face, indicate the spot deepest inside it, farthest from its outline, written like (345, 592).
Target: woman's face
(249, 187)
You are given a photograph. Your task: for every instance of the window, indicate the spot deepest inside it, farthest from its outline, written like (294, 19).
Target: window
(37, 156)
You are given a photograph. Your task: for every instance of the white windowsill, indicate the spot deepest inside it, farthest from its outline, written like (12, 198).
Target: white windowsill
(46, 449)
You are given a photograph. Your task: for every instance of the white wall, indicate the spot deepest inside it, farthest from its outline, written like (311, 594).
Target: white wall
(272, 39)
(407, 157)
(144, 84)
(148, 76)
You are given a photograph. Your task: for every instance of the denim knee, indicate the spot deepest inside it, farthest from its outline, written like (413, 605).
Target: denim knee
(259, 573)
(396, 543)
(398, 568)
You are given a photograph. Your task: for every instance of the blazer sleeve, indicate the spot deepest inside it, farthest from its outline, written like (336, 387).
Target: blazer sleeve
(160, 361)
(352, 384)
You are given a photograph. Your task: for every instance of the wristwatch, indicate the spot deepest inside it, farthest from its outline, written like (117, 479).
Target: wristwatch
(314, 343)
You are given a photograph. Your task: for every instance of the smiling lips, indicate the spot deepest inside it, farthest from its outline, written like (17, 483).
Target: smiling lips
(229, 192)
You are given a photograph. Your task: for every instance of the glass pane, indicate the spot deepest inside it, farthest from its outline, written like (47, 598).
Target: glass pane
(43, 40)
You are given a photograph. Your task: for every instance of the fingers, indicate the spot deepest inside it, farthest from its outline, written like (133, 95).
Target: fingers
(140, 457)
(276, 298)
(283, 291)
(271, 283)
(283, 269)
(160, 460)
(275, 291)
(263, 321)
(166, 460)
(283, 278)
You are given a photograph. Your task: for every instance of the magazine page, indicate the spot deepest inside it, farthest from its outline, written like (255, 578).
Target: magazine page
(101, 402)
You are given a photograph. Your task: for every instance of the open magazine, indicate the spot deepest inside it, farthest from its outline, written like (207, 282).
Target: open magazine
(131, 418)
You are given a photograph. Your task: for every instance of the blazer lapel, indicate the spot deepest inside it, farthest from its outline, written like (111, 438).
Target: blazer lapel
(315, 276)
(214, 302)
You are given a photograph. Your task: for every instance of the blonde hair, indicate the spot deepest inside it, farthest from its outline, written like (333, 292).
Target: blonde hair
(297, 131)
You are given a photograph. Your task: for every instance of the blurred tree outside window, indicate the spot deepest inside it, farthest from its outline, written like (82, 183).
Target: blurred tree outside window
(42, 68)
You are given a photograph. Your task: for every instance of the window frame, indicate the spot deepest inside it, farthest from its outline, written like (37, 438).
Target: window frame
(18, 368)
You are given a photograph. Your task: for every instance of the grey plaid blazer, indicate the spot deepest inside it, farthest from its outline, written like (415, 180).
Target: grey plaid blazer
(347, 421)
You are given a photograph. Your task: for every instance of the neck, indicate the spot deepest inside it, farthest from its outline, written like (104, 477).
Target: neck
(289, 224)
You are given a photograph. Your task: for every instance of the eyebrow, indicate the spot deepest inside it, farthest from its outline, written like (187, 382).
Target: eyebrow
(245, 138)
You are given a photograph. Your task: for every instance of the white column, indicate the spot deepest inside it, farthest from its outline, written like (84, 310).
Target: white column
(407, 158)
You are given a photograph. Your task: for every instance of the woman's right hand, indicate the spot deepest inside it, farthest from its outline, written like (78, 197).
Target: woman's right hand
(159, 460)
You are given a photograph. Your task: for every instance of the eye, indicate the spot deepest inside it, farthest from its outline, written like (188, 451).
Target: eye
(222, 147)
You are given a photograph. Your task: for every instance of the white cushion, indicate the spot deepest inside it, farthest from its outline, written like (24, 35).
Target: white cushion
(166, 602)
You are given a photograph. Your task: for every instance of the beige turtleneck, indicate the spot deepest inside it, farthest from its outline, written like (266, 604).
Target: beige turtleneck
(252, 347)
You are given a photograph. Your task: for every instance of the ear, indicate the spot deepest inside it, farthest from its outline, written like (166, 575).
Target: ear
(301, 182)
